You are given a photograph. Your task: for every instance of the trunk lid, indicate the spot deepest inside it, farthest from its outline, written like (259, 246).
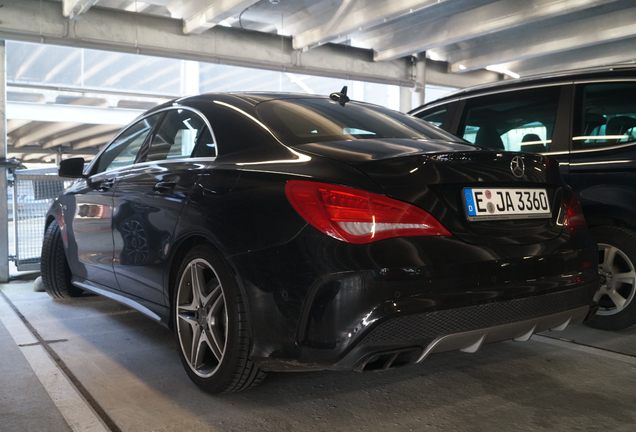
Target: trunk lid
(433, 175)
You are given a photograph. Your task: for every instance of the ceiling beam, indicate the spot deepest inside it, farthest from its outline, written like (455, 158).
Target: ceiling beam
(93, 142)
(537, 42)
(214, 13)
(72, 8)
(64, 150)
(42, 132)
(621, 52)
(311, 15)
(84, 132)
(113, 30)
(14, 124)
(62, 113)
(356, 15)
(35, 156)
(473, 23)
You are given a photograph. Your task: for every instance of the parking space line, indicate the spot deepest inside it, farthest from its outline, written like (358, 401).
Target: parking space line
(77, 406)
(575, 346)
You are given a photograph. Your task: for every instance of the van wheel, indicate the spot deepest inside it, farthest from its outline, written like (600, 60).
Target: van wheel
(56, 275)
(211, 324)
(617, 270)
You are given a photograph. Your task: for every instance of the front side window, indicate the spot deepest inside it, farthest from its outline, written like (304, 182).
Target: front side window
(124, 150)
(512, 121)
(607, 115)
(178, 135)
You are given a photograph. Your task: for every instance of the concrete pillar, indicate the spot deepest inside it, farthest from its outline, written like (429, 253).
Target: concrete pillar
(406, 99)
(4, 209)
(420, 77)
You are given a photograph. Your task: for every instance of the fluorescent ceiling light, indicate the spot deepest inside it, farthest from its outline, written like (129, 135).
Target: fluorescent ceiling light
(433, 55)
(502, 70)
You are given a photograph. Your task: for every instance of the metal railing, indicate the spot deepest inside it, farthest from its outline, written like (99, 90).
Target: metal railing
(32, 193)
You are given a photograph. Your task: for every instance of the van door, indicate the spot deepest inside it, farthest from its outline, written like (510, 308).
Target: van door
(602, 161)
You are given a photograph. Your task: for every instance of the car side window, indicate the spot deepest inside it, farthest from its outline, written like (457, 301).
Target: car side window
(512, 121)
(606, 116)
(123, 151)
(436, 116)
(177, 136)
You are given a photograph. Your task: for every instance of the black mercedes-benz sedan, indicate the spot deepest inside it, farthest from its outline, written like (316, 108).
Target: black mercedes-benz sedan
(280, 232)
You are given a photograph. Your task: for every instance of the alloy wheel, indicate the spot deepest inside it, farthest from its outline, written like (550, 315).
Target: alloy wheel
(618, 280)
(202, 321)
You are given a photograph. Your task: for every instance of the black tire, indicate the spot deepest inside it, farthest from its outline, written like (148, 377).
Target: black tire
(56, 275)
(609, 316)
(235, 371)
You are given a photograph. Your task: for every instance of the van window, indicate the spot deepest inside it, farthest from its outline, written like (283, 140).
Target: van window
(437, 116)
(512, 121)
(607, 115)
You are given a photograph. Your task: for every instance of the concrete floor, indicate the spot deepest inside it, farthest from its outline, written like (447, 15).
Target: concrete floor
(129, 366)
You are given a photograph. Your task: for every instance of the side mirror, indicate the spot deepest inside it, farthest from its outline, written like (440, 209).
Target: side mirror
(72, 168)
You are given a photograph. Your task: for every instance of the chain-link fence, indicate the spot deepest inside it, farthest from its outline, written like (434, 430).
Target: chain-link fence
(33, 191)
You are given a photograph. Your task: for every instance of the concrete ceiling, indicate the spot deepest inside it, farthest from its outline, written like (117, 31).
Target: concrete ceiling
(369, 40)
(467, 34)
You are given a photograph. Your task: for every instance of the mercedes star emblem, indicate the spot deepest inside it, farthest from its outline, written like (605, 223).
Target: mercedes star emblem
(517, 166)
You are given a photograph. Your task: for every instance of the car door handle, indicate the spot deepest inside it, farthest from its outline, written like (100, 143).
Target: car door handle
(106, 185)
(164, 186)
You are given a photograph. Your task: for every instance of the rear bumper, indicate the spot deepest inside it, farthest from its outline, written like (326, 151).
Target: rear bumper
(408, 339)
(317, 303)
(471, 341)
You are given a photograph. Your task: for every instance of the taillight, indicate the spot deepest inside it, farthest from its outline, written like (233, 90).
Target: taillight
(356, 216)
(573, 213)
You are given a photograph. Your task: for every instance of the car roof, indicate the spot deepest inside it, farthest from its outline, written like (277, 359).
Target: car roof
(609, 72)
(251, 98)
(246, 100)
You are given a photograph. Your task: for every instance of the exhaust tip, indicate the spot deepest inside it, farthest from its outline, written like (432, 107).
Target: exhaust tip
(390, 360)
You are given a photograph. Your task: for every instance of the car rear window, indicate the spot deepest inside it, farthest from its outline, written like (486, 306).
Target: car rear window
(298, 121)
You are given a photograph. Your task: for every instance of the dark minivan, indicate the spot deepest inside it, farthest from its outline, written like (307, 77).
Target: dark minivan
(587, 121)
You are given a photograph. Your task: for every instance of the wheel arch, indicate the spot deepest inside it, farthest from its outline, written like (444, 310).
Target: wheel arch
(602, 214)
(180, 249)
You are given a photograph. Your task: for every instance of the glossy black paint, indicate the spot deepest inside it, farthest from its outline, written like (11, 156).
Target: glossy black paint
(311, 298)
(605, 179)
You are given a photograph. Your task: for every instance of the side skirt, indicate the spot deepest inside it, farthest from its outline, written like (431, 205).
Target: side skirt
(126, 301)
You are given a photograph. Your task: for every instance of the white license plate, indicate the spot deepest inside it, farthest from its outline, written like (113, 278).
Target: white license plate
(498, 203)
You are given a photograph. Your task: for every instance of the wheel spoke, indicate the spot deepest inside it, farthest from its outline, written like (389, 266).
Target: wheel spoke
(617, 299)
(214, 294)
(198, 282)
(215, 315)
(195, 347)
(216, 345)
(188, 317)
(627, 277)
(599, 293)
(204, 342)
(216, 306)
(608, 258)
